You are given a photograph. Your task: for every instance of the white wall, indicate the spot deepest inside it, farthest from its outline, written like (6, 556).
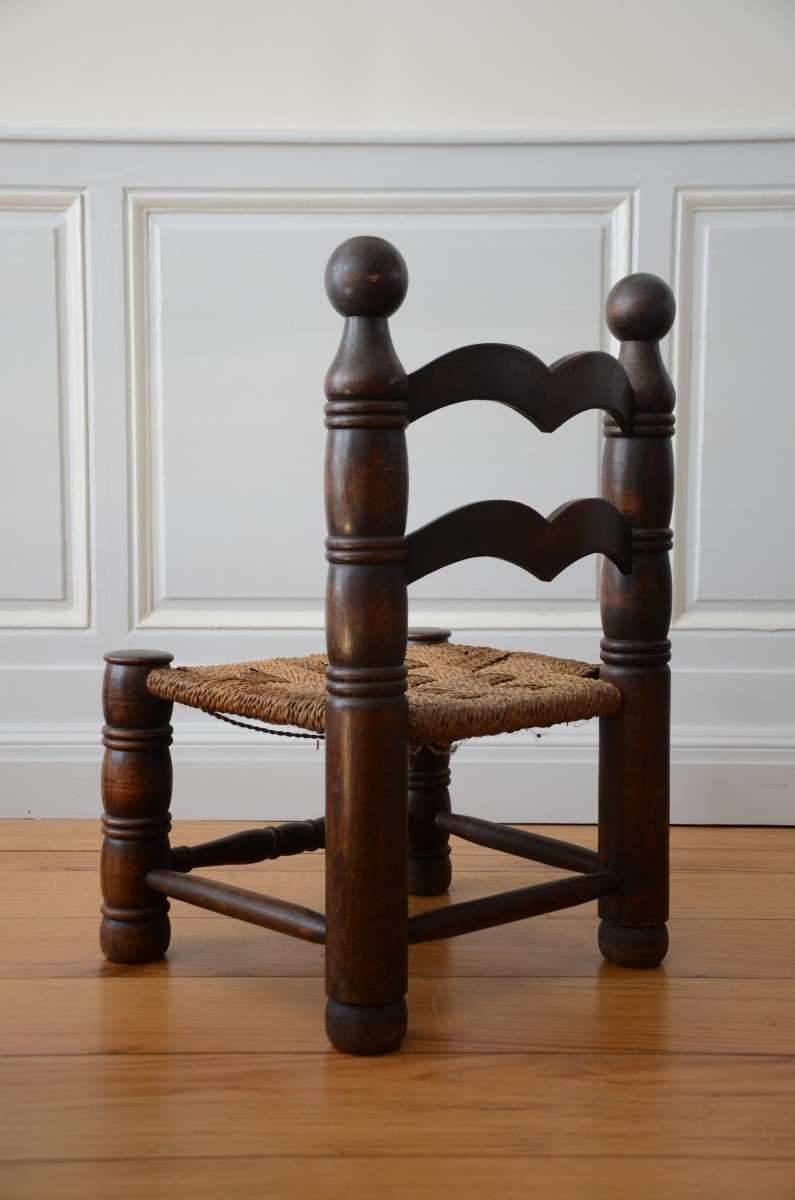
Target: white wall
(398, 64)
(164, 335)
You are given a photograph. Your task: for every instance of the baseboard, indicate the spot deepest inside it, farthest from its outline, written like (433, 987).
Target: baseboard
(719, 776)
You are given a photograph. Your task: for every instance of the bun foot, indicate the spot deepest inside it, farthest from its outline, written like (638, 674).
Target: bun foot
(366, 1028)
(430, 876)
(137, 940)
(633, 945)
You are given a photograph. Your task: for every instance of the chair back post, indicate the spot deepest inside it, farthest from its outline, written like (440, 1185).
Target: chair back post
(366, 629)
(634, 743)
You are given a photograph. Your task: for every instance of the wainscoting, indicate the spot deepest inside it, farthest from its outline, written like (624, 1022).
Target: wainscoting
(163, 343)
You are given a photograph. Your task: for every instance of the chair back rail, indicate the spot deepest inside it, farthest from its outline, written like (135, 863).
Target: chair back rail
(547, 396)
(518, 534)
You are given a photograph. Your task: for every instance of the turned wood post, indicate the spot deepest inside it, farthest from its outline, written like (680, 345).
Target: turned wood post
(634, 743)
(136, 790)
(430, 868)
(366, 618)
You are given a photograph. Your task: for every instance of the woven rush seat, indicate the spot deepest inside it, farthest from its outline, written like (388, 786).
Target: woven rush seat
(454, 692)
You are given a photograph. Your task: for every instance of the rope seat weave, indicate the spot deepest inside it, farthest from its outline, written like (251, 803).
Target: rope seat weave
(454, 692)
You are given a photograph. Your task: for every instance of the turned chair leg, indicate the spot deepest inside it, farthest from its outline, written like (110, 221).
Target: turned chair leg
(136, 790)
(430, 868)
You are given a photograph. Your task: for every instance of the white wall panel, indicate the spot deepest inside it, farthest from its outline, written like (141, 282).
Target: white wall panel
(233, 335)
(196, 324)
(43, 547)
(738, 305)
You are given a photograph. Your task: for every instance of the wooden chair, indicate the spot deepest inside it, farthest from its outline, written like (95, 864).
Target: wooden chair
(390, 712)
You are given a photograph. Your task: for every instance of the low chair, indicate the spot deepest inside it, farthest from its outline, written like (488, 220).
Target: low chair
(391, 702)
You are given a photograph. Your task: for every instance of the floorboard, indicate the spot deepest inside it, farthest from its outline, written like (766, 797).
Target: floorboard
(606, 1015)
(517, 1177)
(108, 1106)
(61, 947)
(75, 893)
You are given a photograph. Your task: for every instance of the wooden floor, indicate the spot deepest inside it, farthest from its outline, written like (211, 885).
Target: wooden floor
(531, 1067)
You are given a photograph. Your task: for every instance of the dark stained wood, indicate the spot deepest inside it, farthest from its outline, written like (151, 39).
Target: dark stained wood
(231, 901)
(430, 866)
(547, 396)
(252, 846)
(136, 790)
(534, 846)
(518, 534)
(366, 628)
(634, 743)
(426, 635)
(504, 907)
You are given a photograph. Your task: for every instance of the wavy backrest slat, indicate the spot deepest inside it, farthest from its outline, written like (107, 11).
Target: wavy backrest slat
(518, 534)
(547, 396)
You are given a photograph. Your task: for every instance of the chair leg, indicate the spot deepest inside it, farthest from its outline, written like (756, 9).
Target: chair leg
(430, 869)
(136, 790)
(634, 818)
(366, 879)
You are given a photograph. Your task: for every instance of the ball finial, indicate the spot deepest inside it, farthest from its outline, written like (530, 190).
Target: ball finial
(640, 308)
(366, 277)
